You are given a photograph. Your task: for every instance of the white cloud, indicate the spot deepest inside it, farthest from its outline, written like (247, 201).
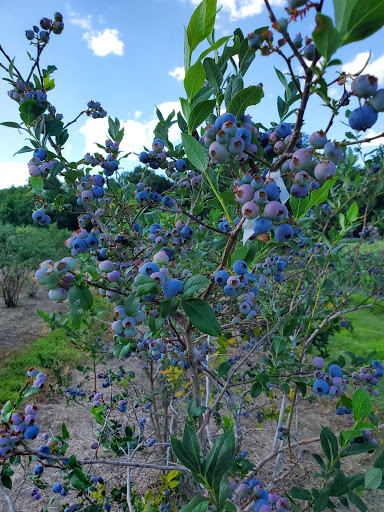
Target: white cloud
(375, 66)
(13, 173)
(240, 9)
(84, 23)
(138, 113)
(335, 93)
(373, 143)
(136, 133)
(178, 73)
(101, 42)
(105, 42)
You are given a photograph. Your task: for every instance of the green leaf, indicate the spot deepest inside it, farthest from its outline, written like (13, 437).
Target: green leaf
(191, 445)
(321, 501)
(24, 149)
(195, 283)
(358, 502)
(202, 316)
(145, 285)
(30, 111)
(168, 307)
(215, 46)
(361, 404)
(79, 480)
(235, 85)
(199, 113)
(213, 73)
(328, 442)
(130, 304)
(182, 123)
(348, 435)
(197, 504)
(201, 23)
(353, 212)
(64, 432)
(240, 253)
(37, 184)
(320, 195)
(72, 462)
(204, 94)
(357, 448)
(80, 298)
(358, 19)
(194, 151)
(373, 478)
(11, 124)
(187, 51)
(283, 80)
(220, 458)
(194, 79)
(53, 127)
(56, 168)
(180, 453)
(256, 389)
(249, 96)
(326, 38)
(300, 494)
(379, 460)
(299, 206)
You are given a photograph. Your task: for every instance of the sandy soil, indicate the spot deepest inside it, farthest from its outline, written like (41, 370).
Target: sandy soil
(16, 332)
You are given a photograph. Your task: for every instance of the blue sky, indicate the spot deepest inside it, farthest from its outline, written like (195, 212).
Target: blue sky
(129, 55)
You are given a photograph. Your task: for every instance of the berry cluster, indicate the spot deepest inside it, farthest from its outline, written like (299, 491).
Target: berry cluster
(95, 110)
(42, 36)
(23, 92)
(16, 425)
(365, 116)
(253, 490)
(260, 200)
(56, 277)
(335, 382)
(36, 166)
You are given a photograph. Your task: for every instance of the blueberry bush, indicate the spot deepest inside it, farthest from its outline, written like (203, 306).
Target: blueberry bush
(222, 290)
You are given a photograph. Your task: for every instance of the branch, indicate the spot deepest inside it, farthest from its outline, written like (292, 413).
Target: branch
(44, 456)
(254, 348)
(7, 497)
(368, 139)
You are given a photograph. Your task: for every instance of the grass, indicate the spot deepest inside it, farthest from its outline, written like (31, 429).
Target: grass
(367, 337)
(55, 346)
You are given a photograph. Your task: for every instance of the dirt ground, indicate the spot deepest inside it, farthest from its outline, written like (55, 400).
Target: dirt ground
(22, 325)
(16, 332)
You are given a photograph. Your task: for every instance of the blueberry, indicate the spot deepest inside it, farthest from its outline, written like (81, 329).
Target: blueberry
(364, 86)
(377, 102)
(325, 170)
(31, 432)
(272, 191)
(57, 487)
(262, 225)
(240, 267)
(283, 129)
(221, 277)
(283, 232)
(321, 387)
(362, 118)
(172, 288)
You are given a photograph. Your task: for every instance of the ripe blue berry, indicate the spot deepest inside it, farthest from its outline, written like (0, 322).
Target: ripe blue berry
(364, 86)
(283, 129)
(283, 232)
(240, 267)
(362, 118)
(321, 387)
(172, 288)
